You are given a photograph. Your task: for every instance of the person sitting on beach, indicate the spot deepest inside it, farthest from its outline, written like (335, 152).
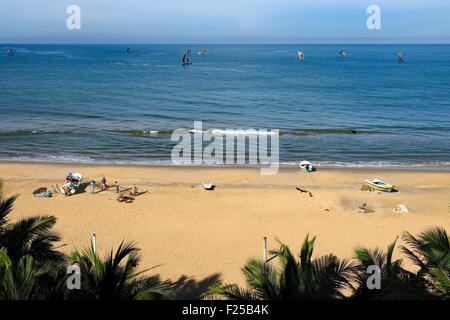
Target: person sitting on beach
(103, 183)
(68, 178)
(66, 190)
(134, 190)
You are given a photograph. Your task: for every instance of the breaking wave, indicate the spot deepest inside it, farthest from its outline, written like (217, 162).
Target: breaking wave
(218, 132)
(221, 132)
(75, 158)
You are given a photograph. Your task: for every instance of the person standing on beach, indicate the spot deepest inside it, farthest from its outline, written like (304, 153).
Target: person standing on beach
(103, 183)
(92, 186)
(117, 187)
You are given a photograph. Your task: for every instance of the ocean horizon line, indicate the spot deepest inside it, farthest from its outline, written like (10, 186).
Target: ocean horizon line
(368, 43)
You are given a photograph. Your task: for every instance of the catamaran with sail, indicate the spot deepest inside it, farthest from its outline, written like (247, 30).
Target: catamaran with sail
(185, 58)
(300, 55)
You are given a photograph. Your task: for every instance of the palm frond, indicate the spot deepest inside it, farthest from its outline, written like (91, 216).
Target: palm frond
(332, 276)
(261, 278)
(431, 249)
(368, 257)
(115, 278)
(18, 237)
(6, 206)
(390, 252)
(306, 252)
(150, 288)
(437, 245)
(441, 280)
(289, 272)
(17, 281)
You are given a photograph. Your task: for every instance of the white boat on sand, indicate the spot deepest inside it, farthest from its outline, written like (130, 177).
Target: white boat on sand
(379, 185)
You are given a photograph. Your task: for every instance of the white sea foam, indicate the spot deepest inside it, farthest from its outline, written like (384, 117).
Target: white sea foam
(75, 158)
(234, 132)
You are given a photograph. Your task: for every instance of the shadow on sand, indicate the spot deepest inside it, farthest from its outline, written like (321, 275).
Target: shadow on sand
(186, 288)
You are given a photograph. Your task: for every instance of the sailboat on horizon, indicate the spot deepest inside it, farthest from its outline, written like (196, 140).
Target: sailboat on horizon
(300, 55)
(185, 58)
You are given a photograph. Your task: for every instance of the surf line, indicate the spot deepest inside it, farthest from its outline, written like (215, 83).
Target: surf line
(229, 147)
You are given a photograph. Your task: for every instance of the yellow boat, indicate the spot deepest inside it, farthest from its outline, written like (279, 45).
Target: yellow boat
(379, 185)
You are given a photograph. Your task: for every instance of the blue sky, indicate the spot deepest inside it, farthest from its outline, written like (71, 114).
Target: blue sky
(224, 21)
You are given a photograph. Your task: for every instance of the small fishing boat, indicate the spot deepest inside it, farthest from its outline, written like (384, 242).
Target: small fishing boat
(73, 184)
(300, 55)
(208, 186)
(185, 58)
(379, 185)
(306, 166)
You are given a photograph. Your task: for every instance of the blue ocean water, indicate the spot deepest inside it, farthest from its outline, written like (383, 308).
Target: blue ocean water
(96, 103)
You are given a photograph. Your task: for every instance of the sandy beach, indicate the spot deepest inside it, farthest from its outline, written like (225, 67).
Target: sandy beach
(208, 235)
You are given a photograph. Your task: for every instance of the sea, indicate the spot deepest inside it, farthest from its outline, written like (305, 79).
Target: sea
(100, 104)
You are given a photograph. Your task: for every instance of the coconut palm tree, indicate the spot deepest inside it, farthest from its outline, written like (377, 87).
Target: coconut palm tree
(31, 236)
(26, 241)
(396, 282)
(116, 278)
(430, 251)
(295, 279)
